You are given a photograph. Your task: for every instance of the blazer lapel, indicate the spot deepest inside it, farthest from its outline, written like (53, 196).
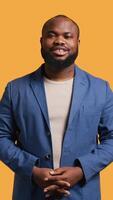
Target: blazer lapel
(80, 87)
(37, 85)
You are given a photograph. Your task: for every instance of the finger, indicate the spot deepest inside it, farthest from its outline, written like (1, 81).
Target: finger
(63, 184)
(50, 188)
(47, 195)
(51, 172)
(57, 171)
(50, 191)
(55, 190)
(58, 184)
(59, 193)
(54, 178)
(54, 196)
(63, 191)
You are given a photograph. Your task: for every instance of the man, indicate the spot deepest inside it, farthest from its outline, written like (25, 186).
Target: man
(56, 124)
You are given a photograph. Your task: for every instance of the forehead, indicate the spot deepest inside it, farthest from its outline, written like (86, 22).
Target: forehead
(60, 25)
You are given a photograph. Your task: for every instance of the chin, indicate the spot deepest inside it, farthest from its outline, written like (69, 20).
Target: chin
(60, 58)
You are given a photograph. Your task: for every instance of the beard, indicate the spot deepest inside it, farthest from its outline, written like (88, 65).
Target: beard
(58, 64)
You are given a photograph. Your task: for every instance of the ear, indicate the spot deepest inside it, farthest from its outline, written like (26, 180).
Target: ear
(41, 40)
(78, 41)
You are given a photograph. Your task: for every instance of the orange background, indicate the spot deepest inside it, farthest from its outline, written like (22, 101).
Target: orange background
(20, 29)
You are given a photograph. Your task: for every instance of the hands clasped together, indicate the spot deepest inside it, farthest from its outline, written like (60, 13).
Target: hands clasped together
(57, 182)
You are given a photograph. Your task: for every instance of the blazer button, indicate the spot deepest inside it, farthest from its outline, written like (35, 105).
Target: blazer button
(47, 157)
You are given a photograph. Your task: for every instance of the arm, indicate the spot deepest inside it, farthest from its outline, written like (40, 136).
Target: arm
(92, 163)
(17, 159)
(102, 155)
(20, 161)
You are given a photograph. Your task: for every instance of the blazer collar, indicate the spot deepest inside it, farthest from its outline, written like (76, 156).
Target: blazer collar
(80, 86)
(37, 85)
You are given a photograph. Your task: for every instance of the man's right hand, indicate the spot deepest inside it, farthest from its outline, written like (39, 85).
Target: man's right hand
(39, 175)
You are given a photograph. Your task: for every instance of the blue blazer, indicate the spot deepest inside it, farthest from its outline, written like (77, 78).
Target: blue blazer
(25, 134)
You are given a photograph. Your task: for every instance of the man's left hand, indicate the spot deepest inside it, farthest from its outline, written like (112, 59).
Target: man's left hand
(72, 175)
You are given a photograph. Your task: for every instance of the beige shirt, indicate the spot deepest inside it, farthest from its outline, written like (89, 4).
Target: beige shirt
(58, 96)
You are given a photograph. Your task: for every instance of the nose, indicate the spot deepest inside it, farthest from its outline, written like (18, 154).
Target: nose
(59, 41)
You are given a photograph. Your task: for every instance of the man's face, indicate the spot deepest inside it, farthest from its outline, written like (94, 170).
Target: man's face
(59, 43)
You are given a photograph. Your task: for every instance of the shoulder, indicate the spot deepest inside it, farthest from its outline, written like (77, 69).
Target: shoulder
(90, 79)
(21, 80)
(95, 85)
(21, 85)
(24, 80)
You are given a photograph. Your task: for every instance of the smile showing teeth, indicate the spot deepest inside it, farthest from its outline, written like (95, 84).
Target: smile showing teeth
(60, 52)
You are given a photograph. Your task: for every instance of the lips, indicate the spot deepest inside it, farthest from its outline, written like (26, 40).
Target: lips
(60, 51)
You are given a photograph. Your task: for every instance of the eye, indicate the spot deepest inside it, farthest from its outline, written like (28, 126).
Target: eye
(68, 36)
(50, 35)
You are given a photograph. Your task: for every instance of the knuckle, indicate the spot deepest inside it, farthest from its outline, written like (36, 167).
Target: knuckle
(65, 178)
(56, 179)
(60, 191)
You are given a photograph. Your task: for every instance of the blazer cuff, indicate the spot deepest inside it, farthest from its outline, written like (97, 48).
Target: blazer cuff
(77, 163)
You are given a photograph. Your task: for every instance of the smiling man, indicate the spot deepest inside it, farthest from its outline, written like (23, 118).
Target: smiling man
(60, 43)
(56, 124)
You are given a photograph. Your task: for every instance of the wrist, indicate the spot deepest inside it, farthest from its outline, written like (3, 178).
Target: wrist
(80, 173)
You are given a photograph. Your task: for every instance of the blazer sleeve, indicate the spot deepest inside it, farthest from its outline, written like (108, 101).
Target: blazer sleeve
(17, 159)
(102, 155)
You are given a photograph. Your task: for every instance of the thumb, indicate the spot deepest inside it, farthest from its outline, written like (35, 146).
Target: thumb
(58, 171)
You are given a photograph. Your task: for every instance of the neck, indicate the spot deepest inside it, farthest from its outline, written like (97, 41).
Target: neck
(59, 75)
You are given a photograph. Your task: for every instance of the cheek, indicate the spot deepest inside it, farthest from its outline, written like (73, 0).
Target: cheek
(47, 44)
(73, 44)
(74, 47)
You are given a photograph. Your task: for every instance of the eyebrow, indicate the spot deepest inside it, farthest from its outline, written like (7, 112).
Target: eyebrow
(54, 32)
(50, 32)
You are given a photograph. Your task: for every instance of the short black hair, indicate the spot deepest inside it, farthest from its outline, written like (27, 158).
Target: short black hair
(61, 16)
